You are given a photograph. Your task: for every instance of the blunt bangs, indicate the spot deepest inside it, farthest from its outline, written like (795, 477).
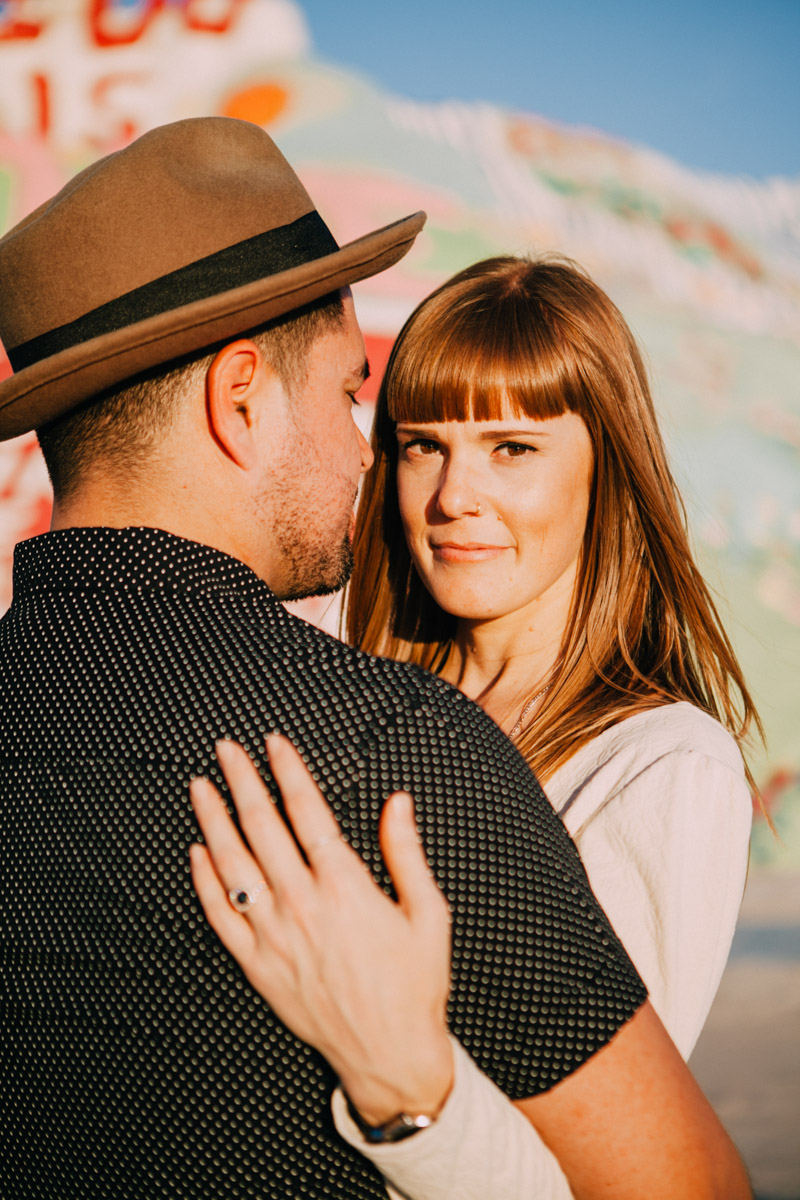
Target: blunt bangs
(476, 352)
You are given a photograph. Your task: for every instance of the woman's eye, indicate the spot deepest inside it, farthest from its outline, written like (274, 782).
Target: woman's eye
(420, 446)
(516, 449)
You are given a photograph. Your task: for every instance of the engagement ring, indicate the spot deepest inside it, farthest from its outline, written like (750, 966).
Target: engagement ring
(242, 899)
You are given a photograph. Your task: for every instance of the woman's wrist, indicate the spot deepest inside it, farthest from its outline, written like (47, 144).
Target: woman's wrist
(480, 1146)
(416, 1084)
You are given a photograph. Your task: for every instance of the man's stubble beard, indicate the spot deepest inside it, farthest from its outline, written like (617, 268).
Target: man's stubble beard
(316, 574)
(316, 559)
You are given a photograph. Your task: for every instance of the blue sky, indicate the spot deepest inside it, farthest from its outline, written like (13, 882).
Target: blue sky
(713, 83)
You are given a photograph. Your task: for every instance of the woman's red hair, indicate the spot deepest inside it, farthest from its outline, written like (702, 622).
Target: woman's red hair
(542, 337)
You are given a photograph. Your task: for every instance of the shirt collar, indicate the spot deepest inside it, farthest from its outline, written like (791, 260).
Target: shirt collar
(100, 558)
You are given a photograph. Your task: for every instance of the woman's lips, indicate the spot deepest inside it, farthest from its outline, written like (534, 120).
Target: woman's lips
(455, 552)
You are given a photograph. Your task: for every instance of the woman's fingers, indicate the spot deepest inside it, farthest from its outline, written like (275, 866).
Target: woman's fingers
(314, 824)
(232, 929)
(417, 891)
(273, 854)
(268, 837)
(235, 865)
(363, 979)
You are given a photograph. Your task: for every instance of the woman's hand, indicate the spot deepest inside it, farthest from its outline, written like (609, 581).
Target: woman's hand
(361, 978)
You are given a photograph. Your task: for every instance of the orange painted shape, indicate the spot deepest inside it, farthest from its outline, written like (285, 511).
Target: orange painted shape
(41, 91)
(378, 350)
(17, 25)
(222, 24)
(261, 103)
(110, 28)
(20, 31)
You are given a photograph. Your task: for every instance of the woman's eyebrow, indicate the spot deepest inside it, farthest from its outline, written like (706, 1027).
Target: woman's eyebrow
(485, 435)
(492, 435)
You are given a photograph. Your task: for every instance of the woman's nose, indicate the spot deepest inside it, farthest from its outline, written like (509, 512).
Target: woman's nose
(458, 495)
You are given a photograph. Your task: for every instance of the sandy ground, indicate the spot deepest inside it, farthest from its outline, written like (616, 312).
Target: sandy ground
(748, 1057)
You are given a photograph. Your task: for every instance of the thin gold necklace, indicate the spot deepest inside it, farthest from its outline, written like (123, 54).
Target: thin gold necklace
(527, 708)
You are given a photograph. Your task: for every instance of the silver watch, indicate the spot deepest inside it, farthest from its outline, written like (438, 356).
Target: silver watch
(401, 1126)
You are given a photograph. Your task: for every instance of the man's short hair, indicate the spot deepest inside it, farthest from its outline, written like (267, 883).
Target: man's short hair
(122, 427)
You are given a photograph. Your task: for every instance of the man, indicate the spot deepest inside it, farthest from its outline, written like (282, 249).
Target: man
(184, 343)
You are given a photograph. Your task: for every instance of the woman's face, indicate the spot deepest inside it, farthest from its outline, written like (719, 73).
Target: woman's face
(494, 511)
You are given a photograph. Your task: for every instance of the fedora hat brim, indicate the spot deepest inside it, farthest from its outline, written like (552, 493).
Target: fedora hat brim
(39, 393)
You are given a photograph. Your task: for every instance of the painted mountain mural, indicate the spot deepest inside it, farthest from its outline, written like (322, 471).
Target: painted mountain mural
(705, 267)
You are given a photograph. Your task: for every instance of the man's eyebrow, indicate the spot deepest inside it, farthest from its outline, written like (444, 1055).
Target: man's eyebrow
(362, 372)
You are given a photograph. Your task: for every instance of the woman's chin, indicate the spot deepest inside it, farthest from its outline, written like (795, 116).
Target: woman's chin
(468, 607)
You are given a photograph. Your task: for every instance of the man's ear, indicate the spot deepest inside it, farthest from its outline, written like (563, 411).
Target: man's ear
(239, 384)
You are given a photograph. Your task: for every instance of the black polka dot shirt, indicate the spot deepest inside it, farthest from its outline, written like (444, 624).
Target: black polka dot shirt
(136, 1060)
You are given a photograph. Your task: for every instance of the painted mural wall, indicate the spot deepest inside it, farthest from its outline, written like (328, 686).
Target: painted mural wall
(706, 268)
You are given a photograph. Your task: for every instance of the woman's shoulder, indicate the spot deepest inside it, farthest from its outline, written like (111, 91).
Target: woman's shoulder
(646, 741)
(668, 729)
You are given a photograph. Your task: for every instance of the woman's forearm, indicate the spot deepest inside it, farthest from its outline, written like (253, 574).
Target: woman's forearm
(479, 1148)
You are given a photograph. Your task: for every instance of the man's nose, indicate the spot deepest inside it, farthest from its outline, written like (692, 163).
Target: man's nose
(367, 457)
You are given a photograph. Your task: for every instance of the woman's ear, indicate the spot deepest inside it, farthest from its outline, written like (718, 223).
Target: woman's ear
(239, 384)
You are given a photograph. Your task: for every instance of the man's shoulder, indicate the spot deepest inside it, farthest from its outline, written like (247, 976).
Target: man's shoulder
(321, 653)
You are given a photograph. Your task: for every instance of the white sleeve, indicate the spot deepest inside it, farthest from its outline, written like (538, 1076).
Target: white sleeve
(667, 860)
(479, 1148)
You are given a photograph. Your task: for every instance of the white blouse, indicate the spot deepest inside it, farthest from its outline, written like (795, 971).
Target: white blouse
(660, 811)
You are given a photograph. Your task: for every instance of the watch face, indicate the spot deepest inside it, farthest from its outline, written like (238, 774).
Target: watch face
(393, 1130)
(399, 1127)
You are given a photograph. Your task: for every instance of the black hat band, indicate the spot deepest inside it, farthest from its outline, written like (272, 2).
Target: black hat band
(281, 249)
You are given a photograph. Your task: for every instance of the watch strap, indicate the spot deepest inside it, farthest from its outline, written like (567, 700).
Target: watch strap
(398, 1127)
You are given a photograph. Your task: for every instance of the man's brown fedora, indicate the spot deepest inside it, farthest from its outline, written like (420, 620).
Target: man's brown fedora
(196, 232)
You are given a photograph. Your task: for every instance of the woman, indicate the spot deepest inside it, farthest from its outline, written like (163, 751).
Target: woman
(522, 536)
